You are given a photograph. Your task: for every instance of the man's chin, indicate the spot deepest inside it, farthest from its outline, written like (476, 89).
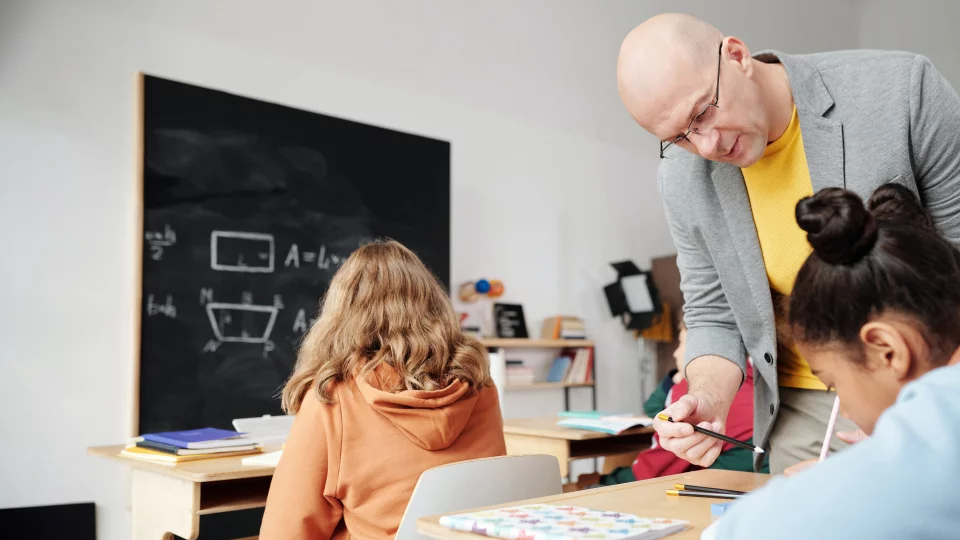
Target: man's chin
(748, 156)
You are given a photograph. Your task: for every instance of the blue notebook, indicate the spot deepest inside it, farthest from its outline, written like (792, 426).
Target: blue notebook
(199, 438)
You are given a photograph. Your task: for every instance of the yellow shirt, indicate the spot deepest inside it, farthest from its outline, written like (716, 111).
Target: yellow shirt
(775, 184)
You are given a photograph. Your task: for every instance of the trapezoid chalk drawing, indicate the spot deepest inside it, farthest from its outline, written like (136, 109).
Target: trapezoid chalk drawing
(236, 251)
(241, 323)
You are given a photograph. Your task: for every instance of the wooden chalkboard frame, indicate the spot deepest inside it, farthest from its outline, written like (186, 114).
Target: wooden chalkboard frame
(138, 137)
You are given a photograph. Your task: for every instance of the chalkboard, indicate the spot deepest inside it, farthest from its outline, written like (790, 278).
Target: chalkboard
(249, 207)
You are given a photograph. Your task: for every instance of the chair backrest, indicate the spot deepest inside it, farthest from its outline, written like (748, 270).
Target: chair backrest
(478, 483)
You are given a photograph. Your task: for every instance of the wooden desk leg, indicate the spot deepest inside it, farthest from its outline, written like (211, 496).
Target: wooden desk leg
(164, 506)
(518, 445)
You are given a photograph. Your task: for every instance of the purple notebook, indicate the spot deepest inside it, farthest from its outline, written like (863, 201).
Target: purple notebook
(199, 438)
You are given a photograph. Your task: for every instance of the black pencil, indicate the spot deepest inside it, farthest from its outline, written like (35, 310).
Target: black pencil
(716, 435)
(682, 493)
(705, 489)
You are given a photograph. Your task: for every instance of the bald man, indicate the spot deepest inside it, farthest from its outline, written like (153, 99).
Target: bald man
(743, 138)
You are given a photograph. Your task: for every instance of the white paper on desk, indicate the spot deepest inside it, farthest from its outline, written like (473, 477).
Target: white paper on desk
(267, 431)
(263, 460)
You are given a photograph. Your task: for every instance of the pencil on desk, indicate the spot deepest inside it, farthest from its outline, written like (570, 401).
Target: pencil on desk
(685, 493)
(716, 435)
(704, 489)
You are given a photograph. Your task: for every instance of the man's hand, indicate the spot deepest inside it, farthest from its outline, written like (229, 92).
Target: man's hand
(714, 382)
(680, 438)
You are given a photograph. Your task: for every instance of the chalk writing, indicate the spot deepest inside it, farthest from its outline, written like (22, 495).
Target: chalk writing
(233, 251)
(158, 240)
(167, 308)
(321, 259)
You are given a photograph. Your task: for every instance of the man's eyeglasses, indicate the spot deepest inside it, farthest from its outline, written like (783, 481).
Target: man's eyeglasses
(705, 119)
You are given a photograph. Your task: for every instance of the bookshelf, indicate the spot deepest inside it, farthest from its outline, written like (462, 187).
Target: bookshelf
(524, 343)
(541, 385)
(500, 345)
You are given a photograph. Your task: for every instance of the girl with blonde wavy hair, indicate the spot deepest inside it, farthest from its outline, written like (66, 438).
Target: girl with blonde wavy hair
(385, 386)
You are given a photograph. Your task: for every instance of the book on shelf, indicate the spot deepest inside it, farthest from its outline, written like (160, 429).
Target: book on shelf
(558, 370)
(520, 374)
(573, 366)
(563, 327)
(612, 425)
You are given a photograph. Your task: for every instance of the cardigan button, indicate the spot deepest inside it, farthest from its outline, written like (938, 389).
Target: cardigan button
(768, 358)
(771, 409)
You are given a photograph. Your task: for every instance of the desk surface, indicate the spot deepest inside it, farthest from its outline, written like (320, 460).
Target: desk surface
(647, 498)
(546, 426)
(201, 470)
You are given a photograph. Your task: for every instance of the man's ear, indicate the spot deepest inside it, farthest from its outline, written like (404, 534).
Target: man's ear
(887, 348)
(736, 50)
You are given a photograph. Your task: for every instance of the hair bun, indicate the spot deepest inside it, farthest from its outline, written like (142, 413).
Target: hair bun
(894, 202)
(838, 226)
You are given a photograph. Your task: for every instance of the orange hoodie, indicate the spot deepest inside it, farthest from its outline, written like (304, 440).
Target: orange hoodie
(348, 468)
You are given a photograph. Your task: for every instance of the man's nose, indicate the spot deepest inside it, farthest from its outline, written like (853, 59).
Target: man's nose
(707, 143)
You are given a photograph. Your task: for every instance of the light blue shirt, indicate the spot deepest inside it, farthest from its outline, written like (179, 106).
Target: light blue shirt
(903, 482)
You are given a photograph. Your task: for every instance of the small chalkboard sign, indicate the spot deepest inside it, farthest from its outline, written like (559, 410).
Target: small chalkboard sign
(509, 321)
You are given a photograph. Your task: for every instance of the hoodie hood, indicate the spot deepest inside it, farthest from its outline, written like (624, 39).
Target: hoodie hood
(431, 419)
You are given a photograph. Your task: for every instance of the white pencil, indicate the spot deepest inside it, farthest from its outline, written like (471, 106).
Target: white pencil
(830, 425)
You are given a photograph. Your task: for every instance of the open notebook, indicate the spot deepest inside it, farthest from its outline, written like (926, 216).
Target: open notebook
(551, 522)
(614, 425)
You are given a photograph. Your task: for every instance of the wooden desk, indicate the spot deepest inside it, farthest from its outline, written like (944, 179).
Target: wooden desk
(169, 499)
(647, 498)
(542, 435)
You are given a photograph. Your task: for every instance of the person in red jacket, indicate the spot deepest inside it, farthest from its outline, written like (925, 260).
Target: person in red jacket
(655, 461)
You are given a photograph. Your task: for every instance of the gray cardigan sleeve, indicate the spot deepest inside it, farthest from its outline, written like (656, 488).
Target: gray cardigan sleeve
(935, 145)
(711, 327)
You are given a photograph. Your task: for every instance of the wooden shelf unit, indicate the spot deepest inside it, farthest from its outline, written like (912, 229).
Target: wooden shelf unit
(544, 385)
(500, 344)
(524, 343)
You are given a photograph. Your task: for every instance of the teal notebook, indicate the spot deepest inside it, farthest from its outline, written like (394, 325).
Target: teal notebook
(613, 425)
(590, 414)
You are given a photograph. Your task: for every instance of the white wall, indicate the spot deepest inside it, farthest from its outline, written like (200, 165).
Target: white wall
(551, 180)
(927, 27)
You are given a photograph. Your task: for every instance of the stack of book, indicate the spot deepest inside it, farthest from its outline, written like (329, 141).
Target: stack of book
(519, 374)
(573, 366)
(563, 327)
(178, 446)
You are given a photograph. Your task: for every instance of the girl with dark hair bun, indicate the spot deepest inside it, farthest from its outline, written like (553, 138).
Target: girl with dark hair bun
(876, 312)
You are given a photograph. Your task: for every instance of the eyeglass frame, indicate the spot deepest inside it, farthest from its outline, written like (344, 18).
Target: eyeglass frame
(715, 104)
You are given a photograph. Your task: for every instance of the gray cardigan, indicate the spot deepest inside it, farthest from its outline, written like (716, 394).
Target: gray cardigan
(867, 118)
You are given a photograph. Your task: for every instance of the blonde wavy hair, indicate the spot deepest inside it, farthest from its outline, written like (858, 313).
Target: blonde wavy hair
(384, 307)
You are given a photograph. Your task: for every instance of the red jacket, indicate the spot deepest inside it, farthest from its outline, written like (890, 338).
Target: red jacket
(656, 462)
